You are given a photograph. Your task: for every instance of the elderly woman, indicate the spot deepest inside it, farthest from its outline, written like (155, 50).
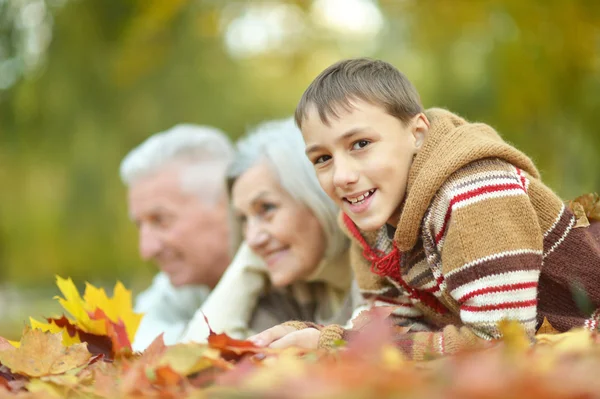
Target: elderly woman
(293, 263)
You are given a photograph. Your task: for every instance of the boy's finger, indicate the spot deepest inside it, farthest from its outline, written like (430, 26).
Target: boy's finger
(266, 337)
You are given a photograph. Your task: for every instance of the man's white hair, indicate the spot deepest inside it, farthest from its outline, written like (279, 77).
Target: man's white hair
(280, 142)
(205, 151)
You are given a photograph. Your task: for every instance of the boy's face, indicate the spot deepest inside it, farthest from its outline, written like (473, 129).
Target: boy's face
(362, 160)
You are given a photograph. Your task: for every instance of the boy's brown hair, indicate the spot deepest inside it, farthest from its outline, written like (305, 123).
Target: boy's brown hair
(374, 81)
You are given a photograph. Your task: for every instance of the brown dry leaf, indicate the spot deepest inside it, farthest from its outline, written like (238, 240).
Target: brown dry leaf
(106, 376)
(43, 353)
(546, 328)
(591, 205)
(580, 216)
(585, 208)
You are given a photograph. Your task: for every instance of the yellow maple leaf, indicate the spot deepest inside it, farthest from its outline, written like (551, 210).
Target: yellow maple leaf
(514, 336)
(53, 328)
(74, 304)
(118, 308)
(572, 341)
(95, 313)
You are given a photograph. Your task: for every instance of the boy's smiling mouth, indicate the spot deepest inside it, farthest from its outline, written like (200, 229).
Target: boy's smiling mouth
(360, 198)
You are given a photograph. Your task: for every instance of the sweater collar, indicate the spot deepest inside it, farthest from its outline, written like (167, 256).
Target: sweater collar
(451, 143)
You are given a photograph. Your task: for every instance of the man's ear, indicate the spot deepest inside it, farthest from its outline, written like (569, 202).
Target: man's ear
(420, 129)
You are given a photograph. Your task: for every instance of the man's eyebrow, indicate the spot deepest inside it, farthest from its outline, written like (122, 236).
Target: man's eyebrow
(151, 211)
(344, 137)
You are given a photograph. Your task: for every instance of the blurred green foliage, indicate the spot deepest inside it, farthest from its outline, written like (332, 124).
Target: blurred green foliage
(117, 71)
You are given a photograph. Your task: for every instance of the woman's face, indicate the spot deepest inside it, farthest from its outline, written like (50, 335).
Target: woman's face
(279, 229)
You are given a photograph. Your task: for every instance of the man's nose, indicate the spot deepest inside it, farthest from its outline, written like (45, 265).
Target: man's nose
(344, 173)
(256, 234)
(150, 243)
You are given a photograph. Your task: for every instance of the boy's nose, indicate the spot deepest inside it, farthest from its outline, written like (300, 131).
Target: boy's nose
(150, 244)
(344, 174)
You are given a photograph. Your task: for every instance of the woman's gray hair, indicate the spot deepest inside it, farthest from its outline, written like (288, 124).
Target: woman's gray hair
(280, 143)
(206, 152)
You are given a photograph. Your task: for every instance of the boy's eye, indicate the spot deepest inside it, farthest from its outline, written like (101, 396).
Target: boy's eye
(360, 144)
(322, 159)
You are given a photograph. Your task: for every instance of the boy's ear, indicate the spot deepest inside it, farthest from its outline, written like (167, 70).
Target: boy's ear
(420, 129)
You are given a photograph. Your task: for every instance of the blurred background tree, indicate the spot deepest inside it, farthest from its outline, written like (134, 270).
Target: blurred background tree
(82, 82)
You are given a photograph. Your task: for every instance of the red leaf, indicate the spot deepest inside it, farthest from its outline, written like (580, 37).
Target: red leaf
(374, 314)
(4, 383)
(154, 351)
(372, 330)
(230, 348)
(116, 331)
(12, 382)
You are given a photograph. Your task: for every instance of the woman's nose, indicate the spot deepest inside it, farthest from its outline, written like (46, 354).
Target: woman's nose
(256, 235)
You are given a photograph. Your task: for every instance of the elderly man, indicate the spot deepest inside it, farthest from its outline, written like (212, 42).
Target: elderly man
(178, 201)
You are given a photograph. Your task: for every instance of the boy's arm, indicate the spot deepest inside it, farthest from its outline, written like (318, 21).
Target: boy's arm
(375, 291)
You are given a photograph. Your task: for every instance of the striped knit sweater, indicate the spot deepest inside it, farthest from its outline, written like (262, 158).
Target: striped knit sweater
(480, 239)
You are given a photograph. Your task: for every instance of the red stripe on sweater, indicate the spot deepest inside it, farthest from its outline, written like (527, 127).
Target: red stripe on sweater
(469, 195)
(500, 288)
(500, 306)
(523, 181)
(437, 287)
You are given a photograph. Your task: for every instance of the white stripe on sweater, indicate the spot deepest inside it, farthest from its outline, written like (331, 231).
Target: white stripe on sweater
(513, 192)
(562, 238)
(493, 316)
(476, 185)
(495, 280)
(488, 258)
(562, 210)
(497, 298)
(486, 175)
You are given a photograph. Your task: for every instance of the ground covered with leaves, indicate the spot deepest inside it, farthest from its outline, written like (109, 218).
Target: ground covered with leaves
(87, 354)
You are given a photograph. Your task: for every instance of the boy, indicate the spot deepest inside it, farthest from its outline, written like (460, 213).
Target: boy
(450, 224)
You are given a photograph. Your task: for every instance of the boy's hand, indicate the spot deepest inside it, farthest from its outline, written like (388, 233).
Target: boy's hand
(285, 336)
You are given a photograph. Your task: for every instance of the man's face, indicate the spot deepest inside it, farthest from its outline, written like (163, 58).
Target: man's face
(362, 160)
(186, 236)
